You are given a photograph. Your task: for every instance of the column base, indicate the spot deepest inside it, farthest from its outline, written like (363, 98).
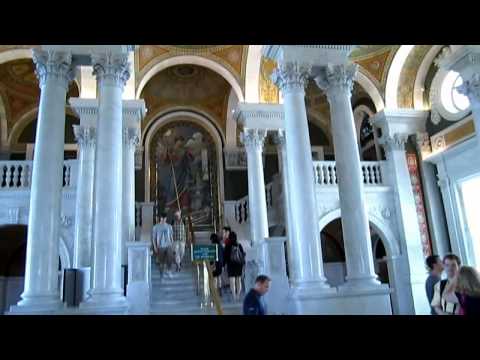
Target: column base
(47, 304)
(363, 283)
(111, 302)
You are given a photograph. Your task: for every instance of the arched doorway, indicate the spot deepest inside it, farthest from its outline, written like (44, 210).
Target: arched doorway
(333, 252)
(183, 160)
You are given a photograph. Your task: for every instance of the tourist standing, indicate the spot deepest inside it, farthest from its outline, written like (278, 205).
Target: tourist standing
(235, 260)
(162, 236)
(466, 288)
(218, 265)
(449, 306)
(435, 269)
(179, 239)
(253, 303)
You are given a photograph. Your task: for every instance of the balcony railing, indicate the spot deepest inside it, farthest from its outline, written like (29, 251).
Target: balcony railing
(17, 175)
(325, 173)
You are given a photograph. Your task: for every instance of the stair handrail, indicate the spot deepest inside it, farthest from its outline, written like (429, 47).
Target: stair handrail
(213, 290)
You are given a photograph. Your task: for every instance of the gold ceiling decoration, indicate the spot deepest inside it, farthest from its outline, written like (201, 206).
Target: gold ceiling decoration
(232, 57)
(188, 86)
(268, 92)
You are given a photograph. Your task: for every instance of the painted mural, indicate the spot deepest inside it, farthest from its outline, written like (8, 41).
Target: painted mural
(184, 161)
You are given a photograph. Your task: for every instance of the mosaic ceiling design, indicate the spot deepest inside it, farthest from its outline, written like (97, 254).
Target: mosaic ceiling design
(188, 86)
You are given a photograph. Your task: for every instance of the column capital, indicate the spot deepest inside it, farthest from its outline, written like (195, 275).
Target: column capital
(111, 68)
(333, 78)
(292, 76)
(131, 137)
(394, 142)
(253, 139)
(53, 64)
(279, 139)
(85, 135)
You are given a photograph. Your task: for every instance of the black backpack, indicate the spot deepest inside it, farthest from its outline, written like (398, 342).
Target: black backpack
(237, 256)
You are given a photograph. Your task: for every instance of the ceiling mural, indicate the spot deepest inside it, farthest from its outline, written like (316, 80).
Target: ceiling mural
(232, 57)
(20, 90)
(188, 86)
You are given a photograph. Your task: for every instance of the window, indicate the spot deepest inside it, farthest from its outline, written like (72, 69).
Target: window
(470, 190)
(452, 100)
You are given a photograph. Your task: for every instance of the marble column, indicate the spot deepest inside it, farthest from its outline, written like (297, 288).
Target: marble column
(433, 199)
(411, 243)
(131, 140)
(82, 246)
(54, 71)
(112, 72)
(253, 140)
(283, 165)
(337, 82)
(307, 268)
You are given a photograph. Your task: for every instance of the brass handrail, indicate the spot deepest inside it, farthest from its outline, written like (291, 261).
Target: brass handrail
(213, 290)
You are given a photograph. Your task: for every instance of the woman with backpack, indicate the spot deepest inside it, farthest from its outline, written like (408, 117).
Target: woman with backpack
(218, 265)
(235, 259)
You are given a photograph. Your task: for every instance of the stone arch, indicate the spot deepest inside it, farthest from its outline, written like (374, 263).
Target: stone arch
(419, 87)
(370, 89)
(387, 236)
(200, 118)
(190, 60)
(393, 77)
(26, 119)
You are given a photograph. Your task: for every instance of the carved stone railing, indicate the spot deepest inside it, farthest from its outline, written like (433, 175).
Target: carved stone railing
(325, 173)
(17, 175)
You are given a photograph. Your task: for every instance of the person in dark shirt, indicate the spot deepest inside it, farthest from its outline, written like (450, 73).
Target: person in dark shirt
(435, 268)
(253, 303)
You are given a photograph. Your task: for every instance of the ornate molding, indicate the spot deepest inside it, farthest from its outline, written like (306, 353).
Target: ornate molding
(14, 215)
(332, 78)
(66, 221)
(471, 89)
(253, 138)
(85, 135)
(131, 137)
(396, 142)
(423, 142)
(111, 68)
(291, 76)
(53, 65)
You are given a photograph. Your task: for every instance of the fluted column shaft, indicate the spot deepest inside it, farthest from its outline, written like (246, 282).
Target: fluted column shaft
(112, 71)
(82, 245)
(254, 140)
(130, 140)
(337, 82)
(54, 71)
(306, 253)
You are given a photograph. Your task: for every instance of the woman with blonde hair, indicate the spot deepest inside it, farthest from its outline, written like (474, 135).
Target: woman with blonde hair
(466, 287)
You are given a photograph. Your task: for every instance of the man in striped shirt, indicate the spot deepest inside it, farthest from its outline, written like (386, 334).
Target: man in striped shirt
(179, 239)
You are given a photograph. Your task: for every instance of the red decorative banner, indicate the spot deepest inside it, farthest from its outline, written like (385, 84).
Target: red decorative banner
(418, 195)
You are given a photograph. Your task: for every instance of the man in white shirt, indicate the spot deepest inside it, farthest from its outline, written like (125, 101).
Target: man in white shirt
(162, 235)
(450, 306)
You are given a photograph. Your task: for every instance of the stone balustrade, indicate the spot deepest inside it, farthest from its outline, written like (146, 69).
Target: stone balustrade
(17, 175)
(325, 173)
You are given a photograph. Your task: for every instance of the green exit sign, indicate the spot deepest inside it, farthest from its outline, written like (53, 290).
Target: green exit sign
(204, 253)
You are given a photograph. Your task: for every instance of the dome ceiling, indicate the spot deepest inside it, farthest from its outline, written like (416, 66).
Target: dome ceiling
(188, 86)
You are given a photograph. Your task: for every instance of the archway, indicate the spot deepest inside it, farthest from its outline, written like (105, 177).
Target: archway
(186, 144)
(333, 252)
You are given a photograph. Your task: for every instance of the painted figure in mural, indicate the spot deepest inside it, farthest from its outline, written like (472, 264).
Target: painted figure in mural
(182, 167)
